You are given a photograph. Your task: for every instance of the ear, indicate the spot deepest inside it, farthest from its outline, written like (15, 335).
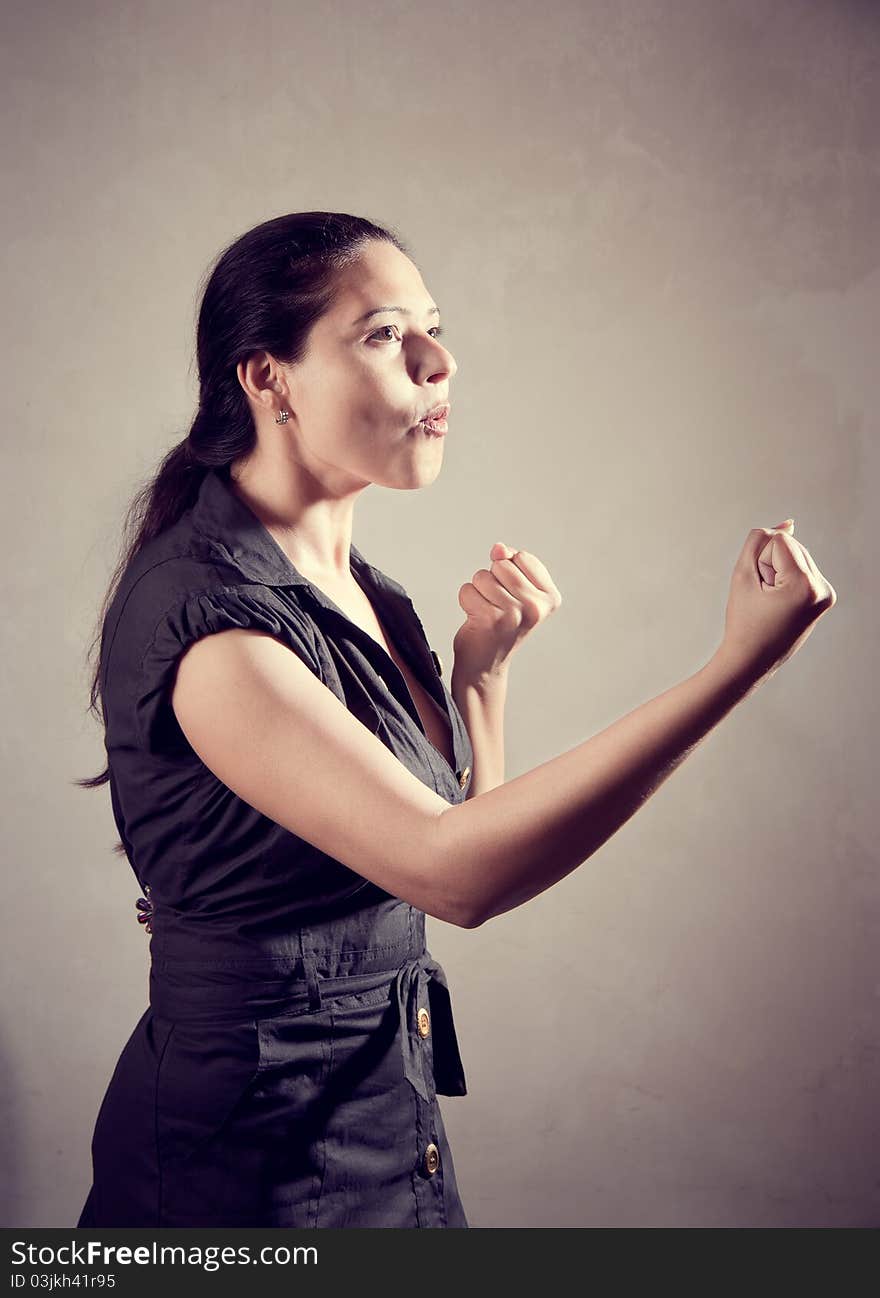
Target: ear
(261, 379)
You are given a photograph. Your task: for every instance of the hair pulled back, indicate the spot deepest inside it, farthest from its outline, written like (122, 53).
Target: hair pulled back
(262, 293)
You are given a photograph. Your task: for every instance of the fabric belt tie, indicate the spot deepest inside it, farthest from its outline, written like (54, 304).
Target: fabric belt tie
(421, 983)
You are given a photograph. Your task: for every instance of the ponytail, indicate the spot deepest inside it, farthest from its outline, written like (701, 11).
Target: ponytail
(263, 293)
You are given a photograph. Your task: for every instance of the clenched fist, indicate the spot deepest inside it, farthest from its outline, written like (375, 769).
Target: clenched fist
(777, 593)
(503, 603)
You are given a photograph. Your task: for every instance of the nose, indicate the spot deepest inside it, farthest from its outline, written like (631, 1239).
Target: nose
(439, 360)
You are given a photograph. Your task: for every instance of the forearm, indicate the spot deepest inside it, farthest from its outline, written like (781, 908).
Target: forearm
(514, 841)
(481, 704)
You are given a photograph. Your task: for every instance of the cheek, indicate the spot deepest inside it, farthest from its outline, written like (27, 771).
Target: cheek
(376, 408)
(365, 400)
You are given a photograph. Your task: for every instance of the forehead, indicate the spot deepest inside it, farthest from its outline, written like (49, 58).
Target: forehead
(382, 273)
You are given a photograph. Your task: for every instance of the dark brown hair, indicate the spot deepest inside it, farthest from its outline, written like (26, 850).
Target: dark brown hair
(263, 293)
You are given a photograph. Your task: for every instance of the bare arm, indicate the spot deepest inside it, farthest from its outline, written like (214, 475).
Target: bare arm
(481, 705)
(515, 841)
(282, 741)
(288, 746)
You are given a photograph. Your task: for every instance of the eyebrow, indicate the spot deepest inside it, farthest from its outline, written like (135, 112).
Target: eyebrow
(379, 310)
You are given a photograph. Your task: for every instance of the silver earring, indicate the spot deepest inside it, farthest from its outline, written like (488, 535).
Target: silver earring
(282, 418)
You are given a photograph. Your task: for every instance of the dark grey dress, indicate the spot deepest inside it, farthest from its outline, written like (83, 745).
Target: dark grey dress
(287, 1069)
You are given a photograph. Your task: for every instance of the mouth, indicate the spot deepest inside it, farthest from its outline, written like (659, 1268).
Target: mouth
(434, 423)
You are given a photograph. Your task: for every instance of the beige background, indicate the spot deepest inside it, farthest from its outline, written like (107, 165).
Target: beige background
(653, 232)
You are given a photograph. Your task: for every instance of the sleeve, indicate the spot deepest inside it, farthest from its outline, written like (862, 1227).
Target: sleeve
(196, 614)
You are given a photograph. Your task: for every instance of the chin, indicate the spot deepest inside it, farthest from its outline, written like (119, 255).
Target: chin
(413, 477)
(414, 482)
(409, 472)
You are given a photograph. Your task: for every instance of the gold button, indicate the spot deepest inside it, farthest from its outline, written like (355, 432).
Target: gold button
(464, 777)
(424, 1022)
(432, 1159)
(438, 662)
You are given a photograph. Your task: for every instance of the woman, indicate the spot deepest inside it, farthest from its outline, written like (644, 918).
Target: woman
(294, 784)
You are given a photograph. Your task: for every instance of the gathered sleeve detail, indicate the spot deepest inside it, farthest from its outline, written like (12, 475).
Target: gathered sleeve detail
(197, 614)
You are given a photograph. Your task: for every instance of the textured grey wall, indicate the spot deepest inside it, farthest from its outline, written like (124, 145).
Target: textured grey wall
(652, 227)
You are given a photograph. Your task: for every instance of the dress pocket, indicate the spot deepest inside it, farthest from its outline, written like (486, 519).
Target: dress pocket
(238, 1129)
(204, 1075)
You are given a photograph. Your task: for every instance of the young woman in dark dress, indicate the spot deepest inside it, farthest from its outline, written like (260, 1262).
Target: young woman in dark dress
(295, 785)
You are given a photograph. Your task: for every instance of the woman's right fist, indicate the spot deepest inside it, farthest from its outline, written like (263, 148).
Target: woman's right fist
(776, 595)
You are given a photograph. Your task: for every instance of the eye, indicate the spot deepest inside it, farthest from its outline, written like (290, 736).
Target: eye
(379, 330)
(436, 331)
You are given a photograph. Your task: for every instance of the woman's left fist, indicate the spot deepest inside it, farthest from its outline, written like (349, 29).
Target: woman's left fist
(503, 604)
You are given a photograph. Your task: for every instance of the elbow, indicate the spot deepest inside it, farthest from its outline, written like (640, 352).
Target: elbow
(475, 921)
(453, 909)
(458, 877)
(468, 918)
(475, 909)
